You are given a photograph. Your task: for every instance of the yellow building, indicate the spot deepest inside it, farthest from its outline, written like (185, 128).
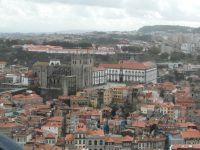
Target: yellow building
(108, 96)
(119, 93)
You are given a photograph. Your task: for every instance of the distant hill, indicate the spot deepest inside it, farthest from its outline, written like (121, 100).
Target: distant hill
(166, 28)
(196, 30)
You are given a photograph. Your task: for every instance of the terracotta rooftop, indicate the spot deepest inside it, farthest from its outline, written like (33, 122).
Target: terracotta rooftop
(190, 133)
(98, 132)
(81, 127)
(26, 96)
(119, 87)
(9, 124)
(109, 140)
(37, 106)
(52, 124)
(186, 147)
(139, 124)
(56, 119)
(169, 86)
(127, 139)
(51, 136)
(128, 65)
(69, 137)
(186, 124)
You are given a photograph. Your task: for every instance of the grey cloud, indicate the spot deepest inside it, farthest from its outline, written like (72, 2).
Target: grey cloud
(38, 15)
(98, 3)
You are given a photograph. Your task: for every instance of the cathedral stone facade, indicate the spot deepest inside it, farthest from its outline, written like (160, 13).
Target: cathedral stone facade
(66, 78)
(81, 67)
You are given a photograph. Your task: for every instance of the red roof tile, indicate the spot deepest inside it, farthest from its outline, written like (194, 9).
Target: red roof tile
(127, 65)
(98, 132)
(191, 133)
(69, 137)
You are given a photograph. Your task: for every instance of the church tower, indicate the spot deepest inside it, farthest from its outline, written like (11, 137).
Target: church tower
(81, 66)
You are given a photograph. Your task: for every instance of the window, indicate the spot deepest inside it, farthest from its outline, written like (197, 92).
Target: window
(101, 142)
(95, 142)
(90, 142)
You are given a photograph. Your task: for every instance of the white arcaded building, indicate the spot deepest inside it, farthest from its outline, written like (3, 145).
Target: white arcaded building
(99, 76)
(131, 71)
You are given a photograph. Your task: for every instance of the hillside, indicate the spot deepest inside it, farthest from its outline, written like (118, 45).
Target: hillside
(166, 28)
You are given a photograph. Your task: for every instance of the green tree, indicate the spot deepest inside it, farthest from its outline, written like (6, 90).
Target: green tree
(164, 56)
(154, 51)
(134, 49)
(177, 56)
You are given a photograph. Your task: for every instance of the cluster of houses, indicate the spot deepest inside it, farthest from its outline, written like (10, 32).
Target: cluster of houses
(120, 106)
(165, 115)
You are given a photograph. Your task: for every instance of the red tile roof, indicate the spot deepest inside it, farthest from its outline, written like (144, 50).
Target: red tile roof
(117, 139)
(26, 97)
(9, 124)
(52, 124)
(81, 127)
(169, 86)
(190, 133)
(56, 119)
(128, 65)
(186, 147)
(69, 137)
(127, 139)
(139, 124)
(98, 132)
(186, 124)
(109, 139)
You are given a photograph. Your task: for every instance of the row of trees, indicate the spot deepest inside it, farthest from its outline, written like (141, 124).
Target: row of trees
(154, 53)
(132, 49)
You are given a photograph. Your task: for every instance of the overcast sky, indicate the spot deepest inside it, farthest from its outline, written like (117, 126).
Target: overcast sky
(64, 15)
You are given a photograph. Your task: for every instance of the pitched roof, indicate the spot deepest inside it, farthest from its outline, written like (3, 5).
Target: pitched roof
(109, 140)
(50, 136)
(9, 124)
(98, 132)
(52, 124)
(127, 139)
(186, 124)
(56, 119)
(69, 137)
(81, 127)
(128, 65)
(139, 124)
(169, 86)
(186, 147)
(26, 96)
(191, 133)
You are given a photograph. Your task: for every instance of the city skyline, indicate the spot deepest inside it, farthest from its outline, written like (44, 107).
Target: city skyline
(115, 15)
